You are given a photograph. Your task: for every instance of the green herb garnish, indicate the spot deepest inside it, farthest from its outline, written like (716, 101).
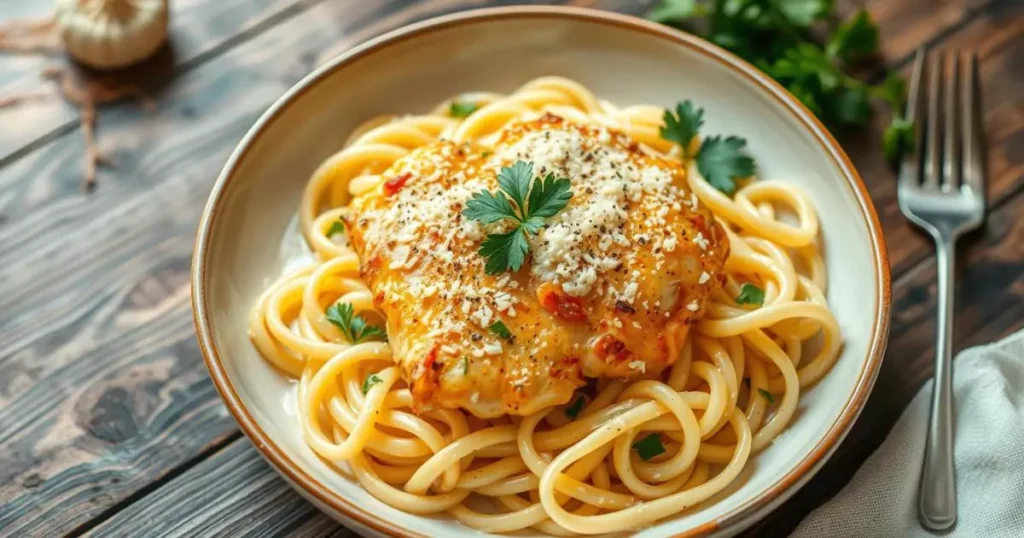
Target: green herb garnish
(573, 410)
(465, 365)
(461, 109)
(370, 381)
(534, 199)
(337, 227)
(766, 395)
(721, 161)
(649, 447)
(682, 127)
(750, 294)
(353, 326)
(499, 329)
(779, 37)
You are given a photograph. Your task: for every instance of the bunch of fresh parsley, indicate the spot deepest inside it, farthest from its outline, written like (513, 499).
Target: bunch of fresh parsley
(522, 199)
(776, 36)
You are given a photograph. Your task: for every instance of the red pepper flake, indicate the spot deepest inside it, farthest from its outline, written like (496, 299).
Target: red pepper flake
(567, 367)
(395, 184)
(560, 304)
(610, 349)
(423, 385)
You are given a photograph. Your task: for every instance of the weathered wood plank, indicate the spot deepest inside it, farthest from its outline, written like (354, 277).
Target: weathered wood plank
(104, 391)
(198, 29)
(233, 493)
(990, 305)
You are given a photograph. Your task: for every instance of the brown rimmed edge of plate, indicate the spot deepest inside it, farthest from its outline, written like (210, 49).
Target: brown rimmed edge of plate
(323, 494)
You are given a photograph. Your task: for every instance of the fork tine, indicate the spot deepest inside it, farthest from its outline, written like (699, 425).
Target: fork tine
(951, 149)
(973, 171)
(933, 151)
(910, 167)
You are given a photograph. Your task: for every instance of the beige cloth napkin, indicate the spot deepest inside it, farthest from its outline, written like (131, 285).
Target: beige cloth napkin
(881, 500)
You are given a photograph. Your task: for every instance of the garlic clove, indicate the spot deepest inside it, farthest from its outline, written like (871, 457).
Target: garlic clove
(108, 34)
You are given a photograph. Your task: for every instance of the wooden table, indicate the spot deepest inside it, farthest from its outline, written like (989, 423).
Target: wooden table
(109, 425)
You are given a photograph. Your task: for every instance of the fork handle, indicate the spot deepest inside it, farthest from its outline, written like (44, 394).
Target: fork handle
(937, 498)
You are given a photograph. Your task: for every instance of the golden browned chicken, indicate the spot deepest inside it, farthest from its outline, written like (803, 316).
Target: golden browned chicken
(608, 289)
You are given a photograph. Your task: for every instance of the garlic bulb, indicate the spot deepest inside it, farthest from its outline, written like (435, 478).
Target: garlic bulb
(108, 34)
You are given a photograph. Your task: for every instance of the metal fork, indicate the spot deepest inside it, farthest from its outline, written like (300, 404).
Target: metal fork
(942, 190)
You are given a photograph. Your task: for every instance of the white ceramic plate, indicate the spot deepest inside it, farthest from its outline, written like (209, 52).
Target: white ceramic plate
(622, 59)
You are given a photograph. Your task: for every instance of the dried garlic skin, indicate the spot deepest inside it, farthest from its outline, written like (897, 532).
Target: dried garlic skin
(108, 34)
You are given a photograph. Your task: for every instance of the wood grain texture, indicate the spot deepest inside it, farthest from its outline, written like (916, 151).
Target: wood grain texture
(233, 493)
(199, 29)
(104, 401)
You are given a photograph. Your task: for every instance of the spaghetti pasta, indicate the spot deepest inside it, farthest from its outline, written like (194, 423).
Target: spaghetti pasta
(732, 390)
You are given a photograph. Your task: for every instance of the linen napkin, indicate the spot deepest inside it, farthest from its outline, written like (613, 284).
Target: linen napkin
(881, 499)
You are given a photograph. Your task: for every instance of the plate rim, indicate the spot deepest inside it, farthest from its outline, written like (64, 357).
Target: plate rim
(777, 492)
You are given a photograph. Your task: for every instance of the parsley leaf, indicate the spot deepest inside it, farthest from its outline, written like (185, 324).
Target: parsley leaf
(461, 109)
(499, 329)
(488, 207)
(352, 326)
(370, 381)
(465, 365)
(767, 395)
(682, 127)
(894, 91)
(852, 106)
(750, 294)
(855, 39)
(803, 12)
(649, 447)
(337, 227)
(722, 162)
(674, 10)
(573, 410)
(504, 251)
(515, 180)
(898, 138)
(548, 197)
(535, 199)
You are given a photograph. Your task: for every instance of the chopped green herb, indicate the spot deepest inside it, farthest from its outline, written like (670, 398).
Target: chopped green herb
(855, 39)
(682, 127)
(461, 109)
(722, 162)
(485, 154)
(337, 227)
(766, 395)
(352, 326)
(898, 138)
(535, 199)
(573, 410)
(370, 381)
(672, 10)
(750, 294)
(465, 365)
(499, 329)
(649, 447)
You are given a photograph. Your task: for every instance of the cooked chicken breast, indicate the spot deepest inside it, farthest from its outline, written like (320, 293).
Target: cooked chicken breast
(609, 287)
